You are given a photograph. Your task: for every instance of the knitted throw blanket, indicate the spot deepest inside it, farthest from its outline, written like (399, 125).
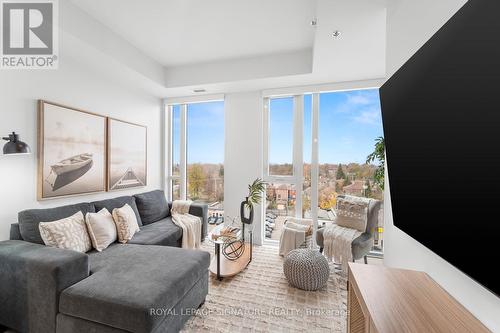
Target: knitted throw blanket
(190, 224)
(338, 244)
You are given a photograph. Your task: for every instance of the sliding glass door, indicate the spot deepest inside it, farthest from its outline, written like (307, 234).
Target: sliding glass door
(316, 148)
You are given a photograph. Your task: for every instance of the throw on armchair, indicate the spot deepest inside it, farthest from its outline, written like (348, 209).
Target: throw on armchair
(362, 244)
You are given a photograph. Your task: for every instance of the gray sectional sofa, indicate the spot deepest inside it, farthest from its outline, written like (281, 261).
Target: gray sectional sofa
(147, 285)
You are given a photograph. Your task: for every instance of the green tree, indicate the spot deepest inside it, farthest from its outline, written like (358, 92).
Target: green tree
(196, 180)
(378, 155)
(340, 173)
(368, 191)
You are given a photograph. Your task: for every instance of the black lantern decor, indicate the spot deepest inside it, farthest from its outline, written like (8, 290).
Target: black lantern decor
(15, 146)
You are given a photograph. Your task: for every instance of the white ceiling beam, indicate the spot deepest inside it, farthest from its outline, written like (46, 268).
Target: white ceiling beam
(275, 65)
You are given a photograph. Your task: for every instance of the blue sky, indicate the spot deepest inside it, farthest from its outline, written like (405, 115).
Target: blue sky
(349, 123)
(205, 132)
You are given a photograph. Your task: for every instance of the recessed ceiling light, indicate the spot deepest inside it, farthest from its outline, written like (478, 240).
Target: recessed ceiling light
(336, 34)
(199, 90)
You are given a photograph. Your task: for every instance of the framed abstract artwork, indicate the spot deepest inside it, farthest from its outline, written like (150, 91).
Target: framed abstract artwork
(71, 151)
(127, 155)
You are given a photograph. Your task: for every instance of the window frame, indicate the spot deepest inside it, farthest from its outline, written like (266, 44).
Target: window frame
(297, 178)
(170, 177)
(182, 177)
(277, 179)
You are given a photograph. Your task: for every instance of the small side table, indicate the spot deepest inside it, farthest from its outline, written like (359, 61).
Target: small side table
(220, 265)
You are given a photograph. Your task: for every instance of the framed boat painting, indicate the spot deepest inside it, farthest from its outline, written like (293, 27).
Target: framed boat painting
(71, 151)
(127, 155)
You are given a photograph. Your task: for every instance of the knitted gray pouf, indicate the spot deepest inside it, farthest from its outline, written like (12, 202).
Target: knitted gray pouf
(306, 269)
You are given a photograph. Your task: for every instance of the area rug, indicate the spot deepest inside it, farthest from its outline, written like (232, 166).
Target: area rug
(259, 299)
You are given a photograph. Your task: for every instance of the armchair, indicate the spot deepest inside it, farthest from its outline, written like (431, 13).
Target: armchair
(361, 245)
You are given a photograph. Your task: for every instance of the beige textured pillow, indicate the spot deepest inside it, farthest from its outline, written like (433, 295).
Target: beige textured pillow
(352, 214)
(102, 229)
(126, 223)
(68, 233)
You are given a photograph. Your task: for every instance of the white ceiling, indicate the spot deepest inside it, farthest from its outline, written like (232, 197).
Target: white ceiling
(180, 32)
(225, 46)
(359, 52)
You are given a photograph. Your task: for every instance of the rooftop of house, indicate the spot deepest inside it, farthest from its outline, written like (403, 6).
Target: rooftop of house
(357, 185)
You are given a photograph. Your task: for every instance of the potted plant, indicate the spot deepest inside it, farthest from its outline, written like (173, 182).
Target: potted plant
(255, 191)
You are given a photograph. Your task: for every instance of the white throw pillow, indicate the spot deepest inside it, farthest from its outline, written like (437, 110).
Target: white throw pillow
(126, 223)
(102, 229)
(68, 233)
(352, 214)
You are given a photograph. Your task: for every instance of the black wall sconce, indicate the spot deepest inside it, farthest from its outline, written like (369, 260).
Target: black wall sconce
(15, 146)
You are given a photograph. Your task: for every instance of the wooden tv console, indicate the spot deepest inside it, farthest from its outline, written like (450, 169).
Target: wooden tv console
(387, 300)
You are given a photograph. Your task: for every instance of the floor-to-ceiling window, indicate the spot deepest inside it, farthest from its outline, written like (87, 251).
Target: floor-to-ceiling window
(281, 174)
(333, 137)
(280, 188)
(349, 124)
(196, 155)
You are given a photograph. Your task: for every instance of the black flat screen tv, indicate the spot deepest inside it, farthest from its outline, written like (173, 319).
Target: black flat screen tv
(441, 117)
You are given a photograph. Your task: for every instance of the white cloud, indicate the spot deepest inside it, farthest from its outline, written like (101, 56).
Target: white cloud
(359, 99)
(370, 116)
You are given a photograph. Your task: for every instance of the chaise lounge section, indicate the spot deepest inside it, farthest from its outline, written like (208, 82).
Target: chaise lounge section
(147, 285)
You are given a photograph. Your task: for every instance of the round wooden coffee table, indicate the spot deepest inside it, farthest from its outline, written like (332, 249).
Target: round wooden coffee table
(220, 265)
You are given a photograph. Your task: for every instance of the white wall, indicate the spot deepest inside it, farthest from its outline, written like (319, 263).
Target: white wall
(94, 45)
(78, 23)
(409, 25)
(243, 152)
(76, 85)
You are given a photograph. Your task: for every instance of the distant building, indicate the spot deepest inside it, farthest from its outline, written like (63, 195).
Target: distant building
(285, 194)
(282, 194)
(356, 188)
(332, 172)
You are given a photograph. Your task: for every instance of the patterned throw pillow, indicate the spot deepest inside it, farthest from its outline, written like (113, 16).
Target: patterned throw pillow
(68, 233)
(352, 214)
(102, 229)
(126, 223)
